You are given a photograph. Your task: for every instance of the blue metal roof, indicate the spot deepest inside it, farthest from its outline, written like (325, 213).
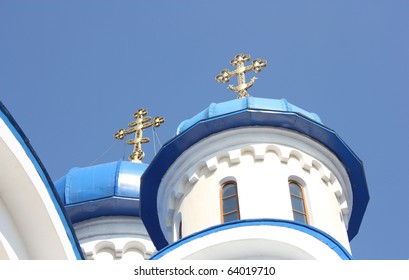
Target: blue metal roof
(318, 234)
(246, 113)
(108, 189)
(220, 109)
(42, 172)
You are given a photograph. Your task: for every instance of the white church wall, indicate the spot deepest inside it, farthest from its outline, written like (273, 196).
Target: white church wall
(262, 161)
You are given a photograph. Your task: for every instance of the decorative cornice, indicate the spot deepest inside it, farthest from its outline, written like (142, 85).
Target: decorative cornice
(258, 151)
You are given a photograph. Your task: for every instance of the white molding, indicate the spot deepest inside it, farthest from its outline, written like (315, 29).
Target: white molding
(112, 237)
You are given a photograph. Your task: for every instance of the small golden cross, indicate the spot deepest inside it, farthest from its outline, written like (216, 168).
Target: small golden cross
(138, 126)
(240, 71)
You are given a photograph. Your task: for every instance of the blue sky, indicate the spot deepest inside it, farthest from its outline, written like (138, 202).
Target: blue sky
(74, 72)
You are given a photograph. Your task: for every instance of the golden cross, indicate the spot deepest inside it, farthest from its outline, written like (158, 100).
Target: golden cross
(138, 126)
(240, 71)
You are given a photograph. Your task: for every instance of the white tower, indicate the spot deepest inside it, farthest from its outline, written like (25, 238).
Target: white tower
(253, 178)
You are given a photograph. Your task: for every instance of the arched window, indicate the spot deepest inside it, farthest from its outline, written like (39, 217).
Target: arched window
(298, 202)
(229, 202)
(180, 229)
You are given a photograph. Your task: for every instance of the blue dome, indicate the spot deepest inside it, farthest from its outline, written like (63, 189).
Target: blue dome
(108, 189)
(228, 107)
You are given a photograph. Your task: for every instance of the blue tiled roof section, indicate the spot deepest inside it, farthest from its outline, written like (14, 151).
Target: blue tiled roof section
(215, 110)
(102, 190)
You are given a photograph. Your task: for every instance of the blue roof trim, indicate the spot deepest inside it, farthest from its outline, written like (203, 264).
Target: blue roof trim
(318, 234)
(108, 189)
(25, 144)
(294, 121)
(106, 206)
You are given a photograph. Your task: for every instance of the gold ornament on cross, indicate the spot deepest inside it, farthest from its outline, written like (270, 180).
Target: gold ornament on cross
(240, 71)
(141, 122)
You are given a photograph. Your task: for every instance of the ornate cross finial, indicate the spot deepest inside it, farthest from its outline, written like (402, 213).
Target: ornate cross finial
(138, 126)
(239, 61)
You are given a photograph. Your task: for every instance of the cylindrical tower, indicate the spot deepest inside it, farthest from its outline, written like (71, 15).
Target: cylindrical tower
(254, 178)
